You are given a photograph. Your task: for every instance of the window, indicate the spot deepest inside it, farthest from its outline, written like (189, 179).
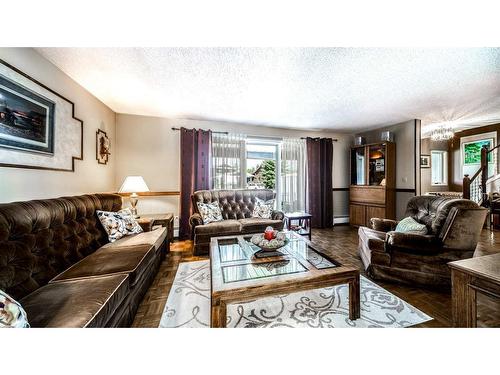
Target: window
(261, 161)
(439, 167)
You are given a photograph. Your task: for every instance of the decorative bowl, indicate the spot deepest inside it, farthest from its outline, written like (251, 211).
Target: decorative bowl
(272, 245)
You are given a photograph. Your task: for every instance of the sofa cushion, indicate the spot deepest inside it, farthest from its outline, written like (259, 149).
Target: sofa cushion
(256, 225)
(153, 238)
(133, 260)
(220, 227)
(76, 303)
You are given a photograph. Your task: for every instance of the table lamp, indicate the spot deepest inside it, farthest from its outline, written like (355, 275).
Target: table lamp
(134, 185)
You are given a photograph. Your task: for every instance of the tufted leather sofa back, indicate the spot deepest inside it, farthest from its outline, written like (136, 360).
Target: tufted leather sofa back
(433, 211)
(41, 238)
(234, 204)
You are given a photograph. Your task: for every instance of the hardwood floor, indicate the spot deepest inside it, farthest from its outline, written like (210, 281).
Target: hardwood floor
(340, 242)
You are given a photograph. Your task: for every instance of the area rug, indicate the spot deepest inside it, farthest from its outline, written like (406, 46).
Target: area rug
(188, 305)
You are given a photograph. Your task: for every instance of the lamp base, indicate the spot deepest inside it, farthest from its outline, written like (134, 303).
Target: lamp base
(134, 198)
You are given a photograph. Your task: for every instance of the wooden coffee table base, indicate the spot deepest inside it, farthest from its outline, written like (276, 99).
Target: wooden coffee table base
(220, 301)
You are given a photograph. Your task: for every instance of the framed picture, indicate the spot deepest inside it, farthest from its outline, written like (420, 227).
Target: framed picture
(425, 161)
(38, 127)
(472, 151)
(26, 119)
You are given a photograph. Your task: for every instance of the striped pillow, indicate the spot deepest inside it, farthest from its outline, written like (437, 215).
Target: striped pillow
(410, 225)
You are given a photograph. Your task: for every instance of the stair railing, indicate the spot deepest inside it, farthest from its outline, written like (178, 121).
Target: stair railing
(474, 188)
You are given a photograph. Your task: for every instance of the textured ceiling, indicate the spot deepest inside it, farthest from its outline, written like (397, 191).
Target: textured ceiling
(343, 89)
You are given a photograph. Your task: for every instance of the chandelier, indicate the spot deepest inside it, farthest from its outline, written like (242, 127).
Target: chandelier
(443, 133)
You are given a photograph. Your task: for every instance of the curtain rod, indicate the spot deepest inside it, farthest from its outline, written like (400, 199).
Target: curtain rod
(212, 131)
(333, 139)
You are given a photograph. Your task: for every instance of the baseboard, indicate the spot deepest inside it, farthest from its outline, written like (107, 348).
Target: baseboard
(341, 220)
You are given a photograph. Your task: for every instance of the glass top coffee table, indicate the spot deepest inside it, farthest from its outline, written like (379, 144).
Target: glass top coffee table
(237, 276)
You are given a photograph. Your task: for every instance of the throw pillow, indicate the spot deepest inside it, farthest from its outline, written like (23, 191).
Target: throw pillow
(263, 209)
(131, 223)
(118, 224)
(408, 224)
(12, 315)
(210, 212)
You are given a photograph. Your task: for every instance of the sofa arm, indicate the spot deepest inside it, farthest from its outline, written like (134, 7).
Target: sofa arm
(146, 225)
(195, 220)
(277, 215)
(382, 225)
(412, 243)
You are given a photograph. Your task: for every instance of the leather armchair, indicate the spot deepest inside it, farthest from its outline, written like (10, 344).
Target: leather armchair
(453, 225)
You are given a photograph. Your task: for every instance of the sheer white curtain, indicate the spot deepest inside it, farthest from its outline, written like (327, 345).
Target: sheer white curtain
(228, 161)
(293, 174)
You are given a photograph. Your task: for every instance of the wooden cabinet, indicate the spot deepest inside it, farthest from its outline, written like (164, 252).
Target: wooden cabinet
(357, 214)
(373, 178)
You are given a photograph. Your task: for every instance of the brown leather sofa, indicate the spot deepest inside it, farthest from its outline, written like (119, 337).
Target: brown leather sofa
(56, 260)
(237, 208)
(454, 227)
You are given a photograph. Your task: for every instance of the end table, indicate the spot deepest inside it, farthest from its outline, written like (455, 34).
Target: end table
(302, 220)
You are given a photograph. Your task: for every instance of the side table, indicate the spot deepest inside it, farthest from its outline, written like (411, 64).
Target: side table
(468, 278)
(302, 224)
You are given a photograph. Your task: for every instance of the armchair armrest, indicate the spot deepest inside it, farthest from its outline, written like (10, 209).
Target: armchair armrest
(277, 215)
(195, 220)
(412, 243)
(383, 225)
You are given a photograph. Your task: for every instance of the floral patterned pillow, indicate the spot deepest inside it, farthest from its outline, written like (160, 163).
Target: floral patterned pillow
(263, 209)
(12, 315)
(210, 212)
(118, 224)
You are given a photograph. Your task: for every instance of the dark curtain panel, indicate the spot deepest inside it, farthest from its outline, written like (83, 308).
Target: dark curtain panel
(319, 179)
(195, 172)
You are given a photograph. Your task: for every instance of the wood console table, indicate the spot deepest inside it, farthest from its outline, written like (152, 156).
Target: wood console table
(469, 277)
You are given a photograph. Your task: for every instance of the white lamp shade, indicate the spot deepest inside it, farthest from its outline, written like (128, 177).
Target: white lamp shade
(133, 184)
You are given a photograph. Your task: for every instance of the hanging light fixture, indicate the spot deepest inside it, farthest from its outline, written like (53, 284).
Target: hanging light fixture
(442, 133)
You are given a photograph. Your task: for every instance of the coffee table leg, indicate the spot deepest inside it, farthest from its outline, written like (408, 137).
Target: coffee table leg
(218, 314)
(354, 299)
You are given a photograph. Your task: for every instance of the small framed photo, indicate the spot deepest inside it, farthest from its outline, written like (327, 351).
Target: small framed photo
(425, 161)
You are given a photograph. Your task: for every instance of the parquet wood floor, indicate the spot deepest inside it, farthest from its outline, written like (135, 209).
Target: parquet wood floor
(340, 242)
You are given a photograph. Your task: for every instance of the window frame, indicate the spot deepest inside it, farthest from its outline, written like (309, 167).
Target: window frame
(444, 167)
(265, 141)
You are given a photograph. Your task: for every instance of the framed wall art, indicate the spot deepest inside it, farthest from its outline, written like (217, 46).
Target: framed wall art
(38, 128)
(425, 161)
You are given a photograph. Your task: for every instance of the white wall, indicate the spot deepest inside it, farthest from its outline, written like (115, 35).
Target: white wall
(89, 176)
(147, 146)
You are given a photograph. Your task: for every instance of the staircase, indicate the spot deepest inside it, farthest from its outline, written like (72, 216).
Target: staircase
(475, 187)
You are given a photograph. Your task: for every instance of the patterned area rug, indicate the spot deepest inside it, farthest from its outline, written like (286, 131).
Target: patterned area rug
(188, 305)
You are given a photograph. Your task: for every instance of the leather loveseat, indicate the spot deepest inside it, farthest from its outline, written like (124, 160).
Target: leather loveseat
(237, 208)
(55, 259)
(453, 225)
